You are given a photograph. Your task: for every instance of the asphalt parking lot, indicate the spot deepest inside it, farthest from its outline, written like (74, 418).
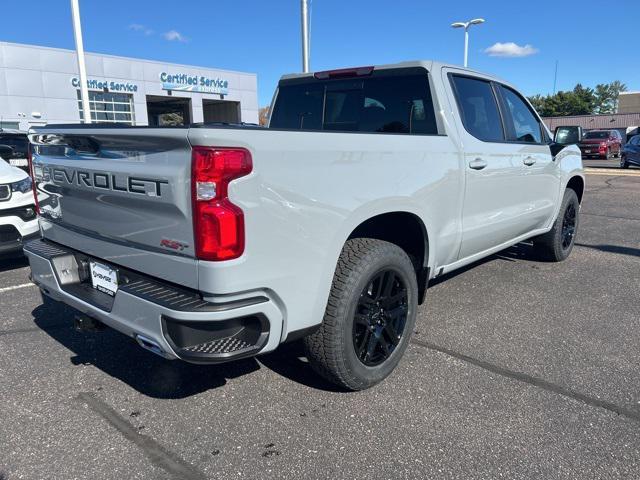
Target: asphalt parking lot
(517, 369)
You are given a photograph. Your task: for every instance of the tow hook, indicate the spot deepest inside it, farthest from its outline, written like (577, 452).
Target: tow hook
(84, 323)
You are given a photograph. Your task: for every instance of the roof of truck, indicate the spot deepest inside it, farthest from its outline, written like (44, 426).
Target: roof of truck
(430, 65)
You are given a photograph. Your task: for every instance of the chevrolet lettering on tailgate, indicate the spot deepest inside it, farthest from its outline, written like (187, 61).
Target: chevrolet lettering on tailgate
(99, 180)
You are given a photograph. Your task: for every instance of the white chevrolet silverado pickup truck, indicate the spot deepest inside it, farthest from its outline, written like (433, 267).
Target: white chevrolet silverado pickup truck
(212, 243)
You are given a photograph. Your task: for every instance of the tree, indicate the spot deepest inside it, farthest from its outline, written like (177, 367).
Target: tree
(263, 116)
(607, 96)
(538, 102)
(583, 100)
(580, 101)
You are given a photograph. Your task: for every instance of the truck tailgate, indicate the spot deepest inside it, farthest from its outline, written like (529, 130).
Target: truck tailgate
(128, 187)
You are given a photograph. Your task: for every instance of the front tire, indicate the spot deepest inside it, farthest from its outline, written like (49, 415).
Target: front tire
(369, 318)
(623, 162)
(557, 243)
(607, 156)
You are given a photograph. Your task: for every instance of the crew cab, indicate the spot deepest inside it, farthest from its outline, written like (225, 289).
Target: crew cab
(604, 144)
(212, 243)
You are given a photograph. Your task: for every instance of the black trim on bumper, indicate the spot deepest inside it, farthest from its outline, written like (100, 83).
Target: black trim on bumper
(216, 341)
(159, 292)
(298, 334)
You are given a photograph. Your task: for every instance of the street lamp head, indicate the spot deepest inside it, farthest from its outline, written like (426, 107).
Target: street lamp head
(466, 26)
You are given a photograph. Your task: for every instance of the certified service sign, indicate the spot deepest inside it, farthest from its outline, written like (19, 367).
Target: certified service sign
(106, 85)
(194, 83)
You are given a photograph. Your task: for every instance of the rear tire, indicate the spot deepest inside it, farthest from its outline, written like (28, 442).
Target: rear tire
(557, 243)
(369, 318)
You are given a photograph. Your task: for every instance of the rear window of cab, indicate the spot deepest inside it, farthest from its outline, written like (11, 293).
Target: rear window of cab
(387, 101)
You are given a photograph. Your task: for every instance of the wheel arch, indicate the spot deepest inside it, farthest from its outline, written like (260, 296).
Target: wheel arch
(406, 230)
(576, 183)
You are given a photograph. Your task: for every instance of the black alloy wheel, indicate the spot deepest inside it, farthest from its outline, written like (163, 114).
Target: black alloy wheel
(380, 318)
(369, 317)
(569, 226)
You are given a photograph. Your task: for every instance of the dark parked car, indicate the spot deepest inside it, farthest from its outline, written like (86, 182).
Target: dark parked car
(603, 144)
(631, 153)
(19, 143)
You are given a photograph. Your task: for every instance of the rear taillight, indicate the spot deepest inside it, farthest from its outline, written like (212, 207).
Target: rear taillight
(34, 185)
(218, 224)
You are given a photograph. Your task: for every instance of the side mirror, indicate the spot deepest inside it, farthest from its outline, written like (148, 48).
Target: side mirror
(568, 135)
(6, 152)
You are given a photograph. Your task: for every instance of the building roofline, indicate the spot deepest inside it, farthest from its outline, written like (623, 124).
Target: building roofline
(590, 116)
(120, 57)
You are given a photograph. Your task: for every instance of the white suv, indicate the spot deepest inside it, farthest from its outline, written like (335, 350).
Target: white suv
(18, 219)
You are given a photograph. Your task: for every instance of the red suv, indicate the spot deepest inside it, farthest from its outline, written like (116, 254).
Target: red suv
(601, 144)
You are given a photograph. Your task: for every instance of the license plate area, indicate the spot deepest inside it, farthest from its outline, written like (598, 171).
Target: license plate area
(19, 162)
(104, 278)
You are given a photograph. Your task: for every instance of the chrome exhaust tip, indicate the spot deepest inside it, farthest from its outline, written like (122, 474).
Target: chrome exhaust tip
(150, 345)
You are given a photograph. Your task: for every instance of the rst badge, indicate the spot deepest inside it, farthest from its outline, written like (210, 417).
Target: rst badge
(175, 245)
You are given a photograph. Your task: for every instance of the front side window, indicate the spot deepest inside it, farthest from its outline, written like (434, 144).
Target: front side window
(385, 102)
(526, 127)
(478, 108)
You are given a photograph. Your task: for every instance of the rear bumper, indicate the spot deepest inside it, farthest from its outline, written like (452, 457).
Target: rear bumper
(593, 150)
(171, 321)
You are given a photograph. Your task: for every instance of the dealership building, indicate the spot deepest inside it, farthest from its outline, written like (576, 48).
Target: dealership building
(40, 85)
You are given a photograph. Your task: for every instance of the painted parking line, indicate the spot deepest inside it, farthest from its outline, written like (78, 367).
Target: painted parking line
(16, 287)
(612, 172)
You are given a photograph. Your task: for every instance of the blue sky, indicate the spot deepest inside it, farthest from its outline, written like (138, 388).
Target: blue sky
(263, 36)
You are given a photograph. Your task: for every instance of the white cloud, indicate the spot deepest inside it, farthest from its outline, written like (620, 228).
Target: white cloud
(173, 35)
(510, 49)
(137, 27)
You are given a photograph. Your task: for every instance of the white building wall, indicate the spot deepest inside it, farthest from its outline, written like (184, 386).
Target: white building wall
(36, 89)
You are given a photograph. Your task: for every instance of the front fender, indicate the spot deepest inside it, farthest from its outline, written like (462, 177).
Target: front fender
(569, 162)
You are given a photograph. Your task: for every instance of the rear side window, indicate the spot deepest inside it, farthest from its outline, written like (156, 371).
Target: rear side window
(386, 102)
(524, 126)
(478, 108)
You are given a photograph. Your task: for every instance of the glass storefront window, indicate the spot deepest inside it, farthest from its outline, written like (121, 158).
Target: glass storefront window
(107, 107)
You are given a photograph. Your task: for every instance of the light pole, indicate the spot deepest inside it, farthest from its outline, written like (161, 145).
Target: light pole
(82, 69)
(466, 26)
(304, 12)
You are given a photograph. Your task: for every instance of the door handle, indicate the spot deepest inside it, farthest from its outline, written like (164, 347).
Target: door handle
(478, 164)
(529, 161)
